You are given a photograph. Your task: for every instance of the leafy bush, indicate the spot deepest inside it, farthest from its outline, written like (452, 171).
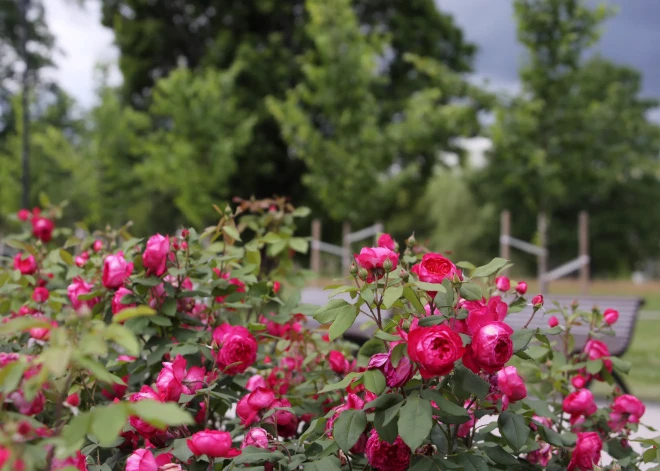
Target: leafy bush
(183, 352)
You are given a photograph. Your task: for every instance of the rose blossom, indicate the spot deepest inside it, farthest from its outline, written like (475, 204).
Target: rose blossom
(373, 260)
(256, 437)
(587, 452)
(490, 349)
(537, 301)
(142, 427)
(521, 288)
(435, 349)
(40, 294)
(434, 268)
(611, 316)
(25, 263)
(249, 407)
(213, 444)
(25, 407)
(77, 288)
(98, 245)
(578, 381)
(481, 313)
(595, 349)
(42, 229)
(395, 377)
(626, 408)
(78, 461)
(117, 304)
(23, 215)
(338, 363)
(541, 456)
(115, 270)
(143, 460)
(287, 422)
(385, 241)
(502, 283)
(254, 382)
(154, 257)
(579, 403)
(511, 384)
(385, 456)
(237, 347)
(351, 402)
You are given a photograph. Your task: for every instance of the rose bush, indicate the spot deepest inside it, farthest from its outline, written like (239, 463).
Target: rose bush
(191, 351)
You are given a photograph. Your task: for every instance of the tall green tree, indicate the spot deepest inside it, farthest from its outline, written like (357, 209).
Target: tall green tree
(576, 138)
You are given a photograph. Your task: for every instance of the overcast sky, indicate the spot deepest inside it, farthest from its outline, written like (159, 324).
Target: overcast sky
(632, 37)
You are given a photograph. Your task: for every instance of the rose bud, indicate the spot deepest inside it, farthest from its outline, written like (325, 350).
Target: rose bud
(154, 257)
(372, 259)
(537, 301)
(40, 295)
(256, 437)
(587, 451)
(579, 403)
(97, 246)
(23, 214)
(385, 241)
(143, 460)
(213, 444)
(185, 233)
(117, 304)
(25, 263)
(42, 229)
(625, 408)
(521, 288)
(73, 400)
(115, 270)
(502, 283)
(490, 349)
(578, 381)
(338, 363)
(237, 347)
(276, 287)
(611, 316)
(596, 349)
(553, 321)
(77, 288)
(511, 384)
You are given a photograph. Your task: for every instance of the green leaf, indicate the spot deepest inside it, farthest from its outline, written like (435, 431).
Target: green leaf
(66, 257)
(335, 308)
(348, 427)
(161, 321)
(397, 354)
(387, 430)
(415, 421)
(621, 365)
(392, 294)
(11, 376)
(232, 232)
(131, 312)
(124, 337)
(21, 324)
(98, 370)
(180, 450)
(271, 238)
(342, 323)
(500, 456)
(252, 454)
(301, 212)
(329, 463)
(299, 244)
(44, 202)
(108, 422)
(386, 336)
(430, 286)
(466, 266)
(470, 291)
(410, 295)
(374, 381)
(521, 339)
(348, 379)
(514, 429)
(169, 307)
(465, 383)
(471, 462)
(391, 413)
(491, 268)
(77, 428)
(431, 321)
(384, 402)
(594, 366)
(550, 436)
(160, 414)
(449, 412)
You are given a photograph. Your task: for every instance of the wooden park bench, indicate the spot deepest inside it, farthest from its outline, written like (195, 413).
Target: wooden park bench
(628, 308)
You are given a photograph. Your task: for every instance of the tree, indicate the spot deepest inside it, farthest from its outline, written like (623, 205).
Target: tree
(271, 41)
(576, 138)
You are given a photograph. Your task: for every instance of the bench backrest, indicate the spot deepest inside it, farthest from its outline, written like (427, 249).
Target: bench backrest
(628, 308)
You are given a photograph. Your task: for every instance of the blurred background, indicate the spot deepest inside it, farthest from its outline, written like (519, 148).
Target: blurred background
(432, 116)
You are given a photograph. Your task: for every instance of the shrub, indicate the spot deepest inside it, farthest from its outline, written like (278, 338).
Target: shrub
(194, 352)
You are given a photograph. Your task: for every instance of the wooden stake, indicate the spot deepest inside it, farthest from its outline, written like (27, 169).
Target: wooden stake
(315, 259)
(583, 243)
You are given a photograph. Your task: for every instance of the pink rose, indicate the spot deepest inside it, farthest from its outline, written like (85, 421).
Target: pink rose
(77, 288)
(541, 456)
(117, 304)
(213, 444)
(611, 316)
(490, 349)
(626, 408)
(25, 263)
(481, 313)
(154, 257)
(537, 301)
(78, 461)
(579, 403)
(373, 260)
(42, 228)
(578, 381)
(521, 288)
(434, 268)
(255, 382)
(97, 246)
(595, 349)
(587, 452)
(511, 384)
(237, 348)
(73, 400)
(40, 294)
(338, 363)
(25, 407)
(143, 460)
(436, 349)
(287, 422)
(395, 377)
(352, 402)
(170, 379)
(385, 456)
(251, 405)
(502, 283)
(115, 270)
(256, 437)
(23, 215)
(553, 322)
(141, 427)
(385, 241)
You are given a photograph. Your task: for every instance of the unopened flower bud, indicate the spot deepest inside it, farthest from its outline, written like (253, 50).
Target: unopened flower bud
(411, 241)
(353, 269)
(363, 273)
(185, 233)
(404, 275)
(553, 321)
(537, 301)
(521, 288)
(616, 467)
(387, 265)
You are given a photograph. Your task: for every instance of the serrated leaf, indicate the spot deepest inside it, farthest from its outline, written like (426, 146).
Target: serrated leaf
(299, 244)
(328, 463)
(621, 365)
(374, 381)
(470, 291)
(521, 339)
(500, 456)
(332, 310)
(514, 429)
(66, 257)
(348, 379)
(131, 312)
(415, 421)
(232, 232)
(160, 414)
(450, 413)
(491, 268)
(594, 366)
(384, 402)
(124, 337)
(107, 422)
(348, 427)
(410, 295)
(465, 383)
(433, 287)
(342, 323)
(392, 294)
